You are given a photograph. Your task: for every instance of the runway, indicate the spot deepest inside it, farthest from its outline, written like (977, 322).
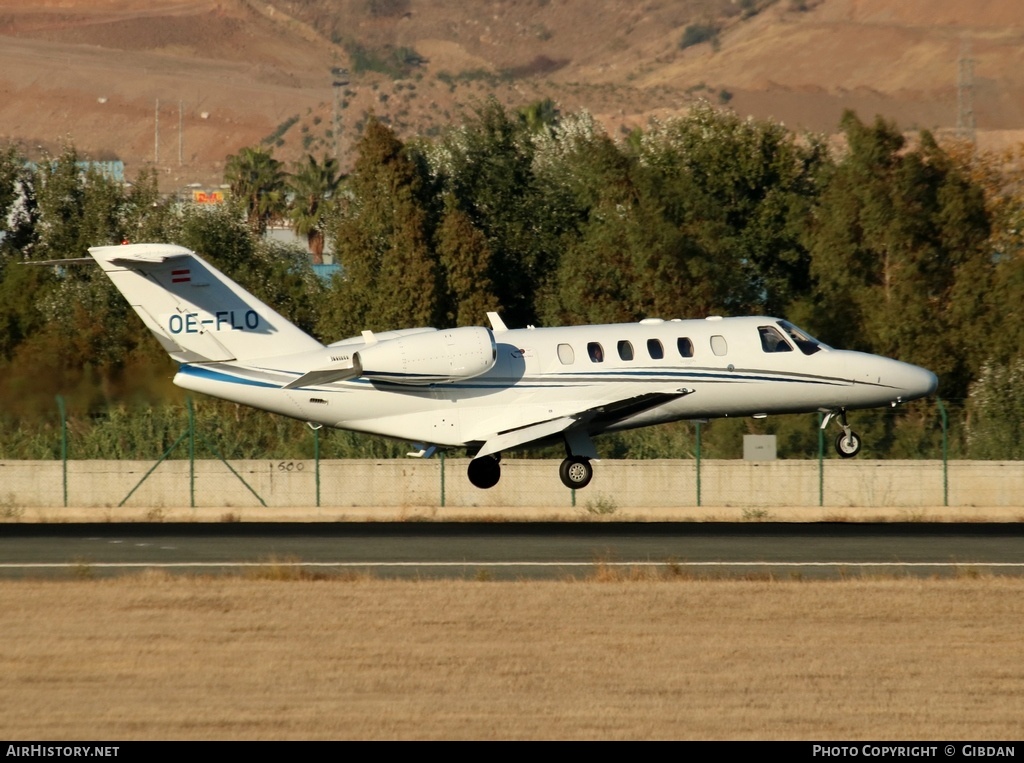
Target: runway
(551, 550)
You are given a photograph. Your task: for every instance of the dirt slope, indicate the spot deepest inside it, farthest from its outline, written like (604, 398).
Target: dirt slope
(183, 84)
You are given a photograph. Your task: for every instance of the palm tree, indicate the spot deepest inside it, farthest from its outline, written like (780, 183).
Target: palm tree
(257, 181)
(313, 185)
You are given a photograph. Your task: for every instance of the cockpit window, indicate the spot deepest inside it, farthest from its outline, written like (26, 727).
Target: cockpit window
(808, 344)
(772, 341)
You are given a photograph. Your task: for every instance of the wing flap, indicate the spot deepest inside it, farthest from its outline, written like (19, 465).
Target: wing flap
(605, 411)
(508, 440)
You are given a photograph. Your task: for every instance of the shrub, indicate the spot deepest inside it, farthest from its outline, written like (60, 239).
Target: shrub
(695, 34)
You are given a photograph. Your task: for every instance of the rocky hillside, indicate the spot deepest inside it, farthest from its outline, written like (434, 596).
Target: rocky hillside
(182, 85)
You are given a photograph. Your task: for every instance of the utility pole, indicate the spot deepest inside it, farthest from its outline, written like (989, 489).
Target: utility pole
(965, 123)
(156, 134)
(181, 139)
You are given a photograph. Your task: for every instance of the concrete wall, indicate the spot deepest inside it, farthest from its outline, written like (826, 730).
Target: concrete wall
(526, 483)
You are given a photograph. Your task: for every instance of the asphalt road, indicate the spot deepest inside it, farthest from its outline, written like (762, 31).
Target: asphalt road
(515, 551)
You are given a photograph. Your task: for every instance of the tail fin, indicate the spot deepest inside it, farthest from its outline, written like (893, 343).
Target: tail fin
(195, 311)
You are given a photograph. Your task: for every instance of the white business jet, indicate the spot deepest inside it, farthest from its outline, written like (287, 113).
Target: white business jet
(491, 390)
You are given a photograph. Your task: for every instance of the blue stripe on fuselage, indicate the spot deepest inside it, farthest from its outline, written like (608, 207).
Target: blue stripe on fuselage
(552, 380)
(203, 372)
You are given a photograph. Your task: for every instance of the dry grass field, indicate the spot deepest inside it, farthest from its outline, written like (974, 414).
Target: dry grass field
(161, 657)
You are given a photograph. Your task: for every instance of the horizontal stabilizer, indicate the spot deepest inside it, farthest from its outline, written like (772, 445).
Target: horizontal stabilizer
(326, 375)
(66, 261)
(155, 258)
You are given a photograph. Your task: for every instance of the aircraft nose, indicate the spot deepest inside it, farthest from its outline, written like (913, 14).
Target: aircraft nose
(886, 380)
(914, 381)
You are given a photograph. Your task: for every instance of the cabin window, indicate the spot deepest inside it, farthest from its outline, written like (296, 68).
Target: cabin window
(625, 350)
(718, 345)
(772, 341)
(596, 352)
(566, 355)
(685, 347)
(655, 350)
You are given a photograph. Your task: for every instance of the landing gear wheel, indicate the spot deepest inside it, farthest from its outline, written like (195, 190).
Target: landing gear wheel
(848, 445)
(576, 472)
(484, 472)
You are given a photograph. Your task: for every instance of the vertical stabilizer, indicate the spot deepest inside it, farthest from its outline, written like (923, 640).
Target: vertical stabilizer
(196, 312)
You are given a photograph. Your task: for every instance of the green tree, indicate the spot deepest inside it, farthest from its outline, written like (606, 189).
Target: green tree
(898, 246)
(20, 313)
(12, 166)
(539, 115)
(218, 235)
(487, 165)
(383, 240)
(741, 190)
(18, 207)
(465, 261)
(314, 185)
(148, 216)
(996, 422)
(61, 198)
(257, 182)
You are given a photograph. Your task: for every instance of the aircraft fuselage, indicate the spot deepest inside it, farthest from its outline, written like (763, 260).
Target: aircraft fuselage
(543, 373)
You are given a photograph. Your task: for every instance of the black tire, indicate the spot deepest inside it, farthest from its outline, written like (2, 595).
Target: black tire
(576, 472)
(484, 472)
(848, 447)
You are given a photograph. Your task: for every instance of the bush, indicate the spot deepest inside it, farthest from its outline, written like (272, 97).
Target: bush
(695, 34)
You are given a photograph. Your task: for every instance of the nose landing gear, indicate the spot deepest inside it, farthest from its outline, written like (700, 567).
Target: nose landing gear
(848, 445)
(848, 442)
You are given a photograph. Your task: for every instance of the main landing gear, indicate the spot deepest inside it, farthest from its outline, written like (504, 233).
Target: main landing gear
(484, 472)
(575, 471)
(848, 442)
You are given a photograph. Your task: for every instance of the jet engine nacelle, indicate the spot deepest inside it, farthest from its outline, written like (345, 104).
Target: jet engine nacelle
(430, 358)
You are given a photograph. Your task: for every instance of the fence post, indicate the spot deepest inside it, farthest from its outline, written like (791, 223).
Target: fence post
(442, 478)
(945, 451)
(63, 444)
(821, 463)
(316, 462)
(698, 463)
(191, 453)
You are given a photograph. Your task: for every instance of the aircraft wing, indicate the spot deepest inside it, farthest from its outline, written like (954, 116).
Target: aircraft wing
(574, 423)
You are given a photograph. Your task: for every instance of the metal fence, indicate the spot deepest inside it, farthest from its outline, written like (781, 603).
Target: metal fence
(441, 481)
